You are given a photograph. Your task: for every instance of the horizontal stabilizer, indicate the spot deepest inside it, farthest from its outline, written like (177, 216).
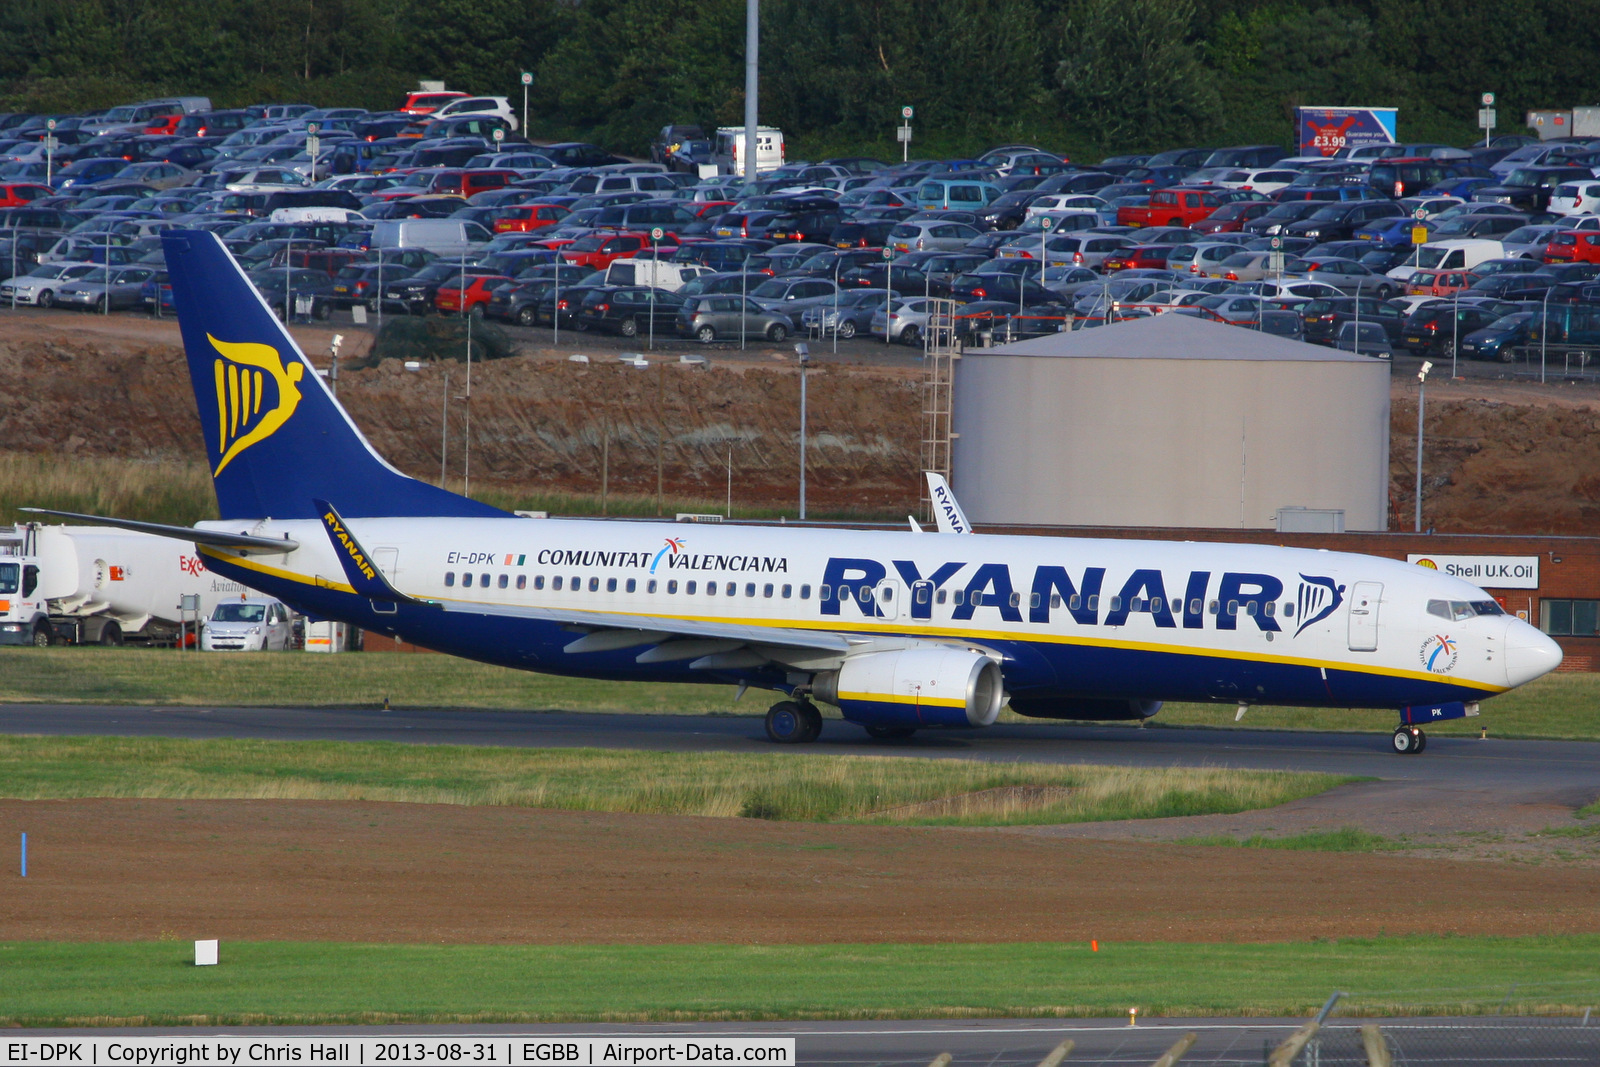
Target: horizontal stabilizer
(242, 541)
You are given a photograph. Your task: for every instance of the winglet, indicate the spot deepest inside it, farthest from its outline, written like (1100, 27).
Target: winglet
(945, 509)
(365, 578)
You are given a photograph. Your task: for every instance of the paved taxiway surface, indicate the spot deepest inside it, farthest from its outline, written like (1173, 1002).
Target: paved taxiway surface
(1483, 1042)
(1559, 772)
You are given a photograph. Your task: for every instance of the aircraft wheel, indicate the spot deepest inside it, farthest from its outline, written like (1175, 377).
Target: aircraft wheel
(1405, 740)
(1422, 740)
(813, 720)
(890, 733)
(786, 723)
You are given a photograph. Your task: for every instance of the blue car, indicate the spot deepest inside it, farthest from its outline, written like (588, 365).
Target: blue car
(1387, 233)
(1462, 187)
(87, 171)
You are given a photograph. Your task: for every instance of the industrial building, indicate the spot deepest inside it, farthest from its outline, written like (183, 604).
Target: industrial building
(1171, 421)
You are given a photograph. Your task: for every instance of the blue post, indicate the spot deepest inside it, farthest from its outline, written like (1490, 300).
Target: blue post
(24, 853)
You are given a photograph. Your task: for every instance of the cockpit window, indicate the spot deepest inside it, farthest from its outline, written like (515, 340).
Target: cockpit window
(1459, 610)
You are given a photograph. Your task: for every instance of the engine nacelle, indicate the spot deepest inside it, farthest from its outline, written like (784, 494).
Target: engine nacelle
(1083, 708)
(915, 687)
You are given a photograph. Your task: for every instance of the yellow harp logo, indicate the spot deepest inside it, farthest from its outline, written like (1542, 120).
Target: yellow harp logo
(241, 376)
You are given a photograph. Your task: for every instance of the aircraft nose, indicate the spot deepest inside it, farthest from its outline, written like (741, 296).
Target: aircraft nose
(1530, 654)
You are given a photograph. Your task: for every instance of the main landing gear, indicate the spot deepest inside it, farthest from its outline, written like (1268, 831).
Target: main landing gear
(793, 722)
(1409, 740)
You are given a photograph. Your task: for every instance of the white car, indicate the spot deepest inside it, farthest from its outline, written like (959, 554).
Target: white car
(41, 285)
(478, 105)
(249, 624)
(1268, 180)
(1576, 198)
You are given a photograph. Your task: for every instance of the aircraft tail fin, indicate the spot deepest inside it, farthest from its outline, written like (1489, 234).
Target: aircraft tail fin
(276, 437)
(950, 517)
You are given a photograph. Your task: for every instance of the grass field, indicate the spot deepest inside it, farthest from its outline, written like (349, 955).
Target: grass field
(54, 984)
(781, 786)
(1558, 706)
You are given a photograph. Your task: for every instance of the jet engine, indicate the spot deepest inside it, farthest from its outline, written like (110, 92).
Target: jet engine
(915, 688)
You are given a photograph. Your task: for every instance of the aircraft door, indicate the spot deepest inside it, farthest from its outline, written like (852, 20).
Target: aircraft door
(890, 598)
(1364, 601)
(387, 561)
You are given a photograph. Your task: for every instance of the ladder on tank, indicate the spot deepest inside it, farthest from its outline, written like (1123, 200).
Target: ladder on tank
(940, 352)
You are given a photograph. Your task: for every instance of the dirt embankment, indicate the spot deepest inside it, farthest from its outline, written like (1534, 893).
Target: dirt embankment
(536, 424)
(1501, 457)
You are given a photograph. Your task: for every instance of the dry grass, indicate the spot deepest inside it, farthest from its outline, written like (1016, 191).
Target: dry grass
(165, 490)
(781, 786)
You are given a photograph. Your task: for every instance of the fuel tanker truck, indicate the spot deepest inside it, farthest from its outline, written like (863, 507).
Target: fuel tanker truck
(98, 585)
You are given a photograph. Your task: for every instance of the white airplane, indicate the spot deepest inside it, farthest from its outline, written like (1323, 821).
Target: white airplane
(901, 631)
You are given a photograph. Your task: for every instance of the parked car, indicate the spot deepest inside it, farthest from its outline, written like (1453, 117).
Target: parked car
(631, 310)
(727, 316)
(1433, 329)
(103, 289)
(1500, 339)
(1324, 317)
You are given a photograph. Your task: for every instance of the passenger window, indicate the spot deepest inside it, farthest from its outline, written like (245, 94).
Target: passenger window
(672, 586)
(788, 591)
(483, 580)
(449, 579)
(939, 597)
(555, 583)
(1116, 603)
(921, 594)
(632, 584)
(1155, 604)
(732, 589)
(522, 581)
(1214, 605)
(960, 597)
(1016, 599)
(1094, 602)
(1288, 609)
(711, 589)
(1271, 608)
(611, 585)
(650, 587)
(466, 579)
(689, 588)
(887, 594)
(1250, 607)
(823, 592)
(750, 589)
(538, 581)
(864, 594)
(594, 585)
(1233, 607)
(805, 592)
(505, 580)
(1074, 603)
(1055, 600)
(766, 590)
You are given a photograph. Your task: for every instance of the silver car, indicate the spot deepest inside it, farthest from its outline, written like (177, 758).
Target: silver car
(931, 235)
(40, 287)
(906, 321)
(102, 289)
(792, 296)
(1346, 275)
(713, 318)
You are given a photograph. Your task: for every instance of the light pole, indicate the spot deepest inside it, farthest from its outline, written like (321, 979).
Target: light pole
(744, 285)
(333, 362)
(1422, 396)
(527, 80)
(837, 263)
(752, 86)
(1455, 329)
(1544, 330)
(803, 351)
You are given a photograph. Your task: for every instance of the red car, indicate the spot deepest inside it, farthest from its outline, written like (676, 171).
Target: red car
(1141, 257)
(18, 194)
(597, 250)
(164, 124)
(449, 298)
(426, 103)
(1230, 218)
(1179, 206)
(525, 218)
(1574, 246)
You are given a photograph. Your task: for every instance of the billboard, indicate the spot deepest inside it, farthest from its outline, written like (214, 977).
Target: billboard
(1487, 572)
(1325, 130)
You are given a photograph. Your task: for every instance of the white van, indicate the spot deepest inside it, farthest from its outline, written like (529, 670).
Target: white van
(442, 237)
(312, 214)
(1459, 254)
(248, 624)
(728, 153)
(658, 274)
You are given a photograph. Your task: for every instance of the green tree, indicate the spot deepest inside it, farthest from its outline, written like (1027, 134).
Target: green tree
(1132, 75)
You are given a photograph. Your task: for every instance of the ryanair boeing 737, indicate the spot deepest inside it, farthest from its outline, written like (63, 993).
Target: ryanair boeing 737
(900, 631)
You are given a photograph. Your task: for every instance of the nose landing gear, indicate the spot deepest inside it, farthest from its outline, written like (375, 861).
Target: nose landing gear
(1409, 740)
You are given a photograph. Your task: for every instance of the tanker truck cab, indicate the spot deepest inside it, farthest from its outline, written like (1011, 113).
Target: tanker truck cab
(249, 624)
(23, 619)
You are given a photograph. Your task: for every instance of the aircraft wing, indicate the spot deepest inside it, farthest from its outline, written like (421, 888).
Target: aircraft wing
(711, 645)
